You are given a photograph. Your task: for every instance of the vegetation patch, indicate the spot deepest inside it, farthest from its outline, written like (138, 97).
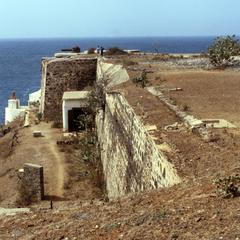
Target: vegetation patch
(223, 51)
(142, 80)
(228, 187)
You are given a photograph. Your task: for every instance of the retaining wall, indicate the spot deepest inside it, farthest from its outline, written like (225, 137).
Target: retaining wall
(131, 160)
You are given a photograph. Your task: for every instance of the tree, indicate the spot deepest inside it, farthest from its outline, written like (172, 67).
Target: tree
(223, 51)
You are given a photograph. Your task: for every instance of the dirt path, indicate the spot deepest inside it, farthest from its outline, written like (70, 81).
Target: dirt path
(55, 163)
(42, 151)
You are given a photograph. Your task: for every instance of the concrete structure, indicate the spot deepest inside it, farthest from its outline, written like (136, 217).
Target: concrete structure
(14, 110)
(131, 160)
(73, 102)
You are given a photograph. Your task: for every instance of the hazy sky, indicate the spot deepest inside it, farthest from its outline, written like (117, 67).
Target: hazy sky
(114, 18)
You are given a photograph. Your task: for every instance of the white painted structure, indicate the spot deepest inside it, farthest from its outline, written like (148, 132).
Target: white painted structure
(14, 110)
(34, 97)
(73, 99)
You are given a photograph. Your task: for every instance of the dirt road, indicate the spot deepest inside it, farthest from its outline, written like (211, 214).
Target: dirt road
(42, 151)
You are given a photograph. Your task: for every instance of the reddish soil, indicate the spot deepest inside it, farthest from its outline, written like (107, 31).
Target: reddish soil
(188, 211)
(208, 94)
(191, 156)
(42, 151)
(64, 176)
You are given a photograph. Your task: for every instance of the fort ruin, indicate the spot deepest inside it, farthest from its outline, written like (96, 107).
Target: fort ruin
(162, 151)
(131, 160)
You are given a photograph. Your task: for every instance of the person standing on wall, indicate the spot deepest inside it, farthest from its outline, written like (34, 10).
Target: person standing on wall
(101, 51)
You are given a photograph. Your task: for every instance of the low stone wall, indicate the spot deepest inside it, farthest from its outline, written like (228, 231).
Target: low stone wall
(64, 74)
(131, 160)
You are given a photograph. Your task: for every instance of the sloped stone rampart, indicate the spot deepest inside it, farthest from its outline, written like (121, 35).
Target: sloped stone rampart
(131, 160)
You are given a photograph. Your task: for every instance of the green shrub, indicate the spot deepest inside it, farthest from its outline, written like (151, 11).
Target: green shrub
(141, 80)
(223, 50)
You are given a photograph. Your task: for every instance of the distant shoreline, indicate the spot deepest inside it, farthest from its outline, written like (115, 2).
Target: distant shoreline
(108, 37)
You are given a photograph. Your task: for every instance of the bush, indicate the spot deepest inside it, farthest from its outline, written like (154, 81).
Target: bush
(228, 187)
(115, 51)
(96, 97)
(91, 50)
(223, 50)
(142, 80)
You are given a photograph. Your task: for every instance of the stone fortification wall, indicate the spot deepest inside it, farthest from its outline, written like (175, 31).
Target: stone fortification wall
(131, 160)
(64, 74)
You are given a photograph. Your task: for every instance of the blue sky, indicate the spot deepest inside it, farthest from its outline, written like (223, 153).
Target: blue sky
(116, 18)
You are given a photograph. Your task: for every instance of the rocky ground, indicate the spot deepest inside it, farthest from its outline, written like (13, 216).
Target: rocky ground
(191, 210)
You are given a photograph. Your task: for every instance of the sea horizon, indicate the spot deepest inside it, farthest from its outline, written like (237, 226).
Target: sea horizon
(114, 37)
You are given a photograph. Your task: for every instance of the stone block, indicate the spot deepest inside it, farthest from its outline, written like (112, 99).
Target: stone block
(33, 181)
(37, 134)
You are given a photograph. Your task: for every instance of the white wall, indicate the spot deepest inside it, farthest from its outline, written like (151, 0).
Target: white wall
(69, 105)
(11, 114)
(14, 110)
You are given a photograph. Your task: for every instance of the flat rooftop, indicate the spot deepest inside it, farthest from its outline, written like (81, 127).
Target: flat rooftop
(75, 95)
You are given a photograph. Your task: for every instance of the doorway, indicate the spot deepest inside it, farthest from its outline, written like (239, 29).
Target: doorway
(74, 120)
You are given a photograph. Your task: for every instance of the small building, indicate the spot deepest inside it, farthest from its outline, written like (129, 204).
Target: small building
(75, 104)
(14, 109)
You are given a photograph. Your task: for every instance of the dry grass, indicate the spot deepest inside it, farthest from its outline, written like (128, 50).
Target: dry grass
(208, 94)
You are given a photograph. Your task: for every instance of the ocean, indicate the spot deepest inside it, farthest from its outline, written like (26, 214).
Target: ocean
(20, 59)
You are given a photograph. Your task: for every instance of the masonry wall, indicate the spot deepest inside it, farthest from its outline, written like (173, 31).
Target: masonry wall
(64, 74)
(131, 160)
(33, 181)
